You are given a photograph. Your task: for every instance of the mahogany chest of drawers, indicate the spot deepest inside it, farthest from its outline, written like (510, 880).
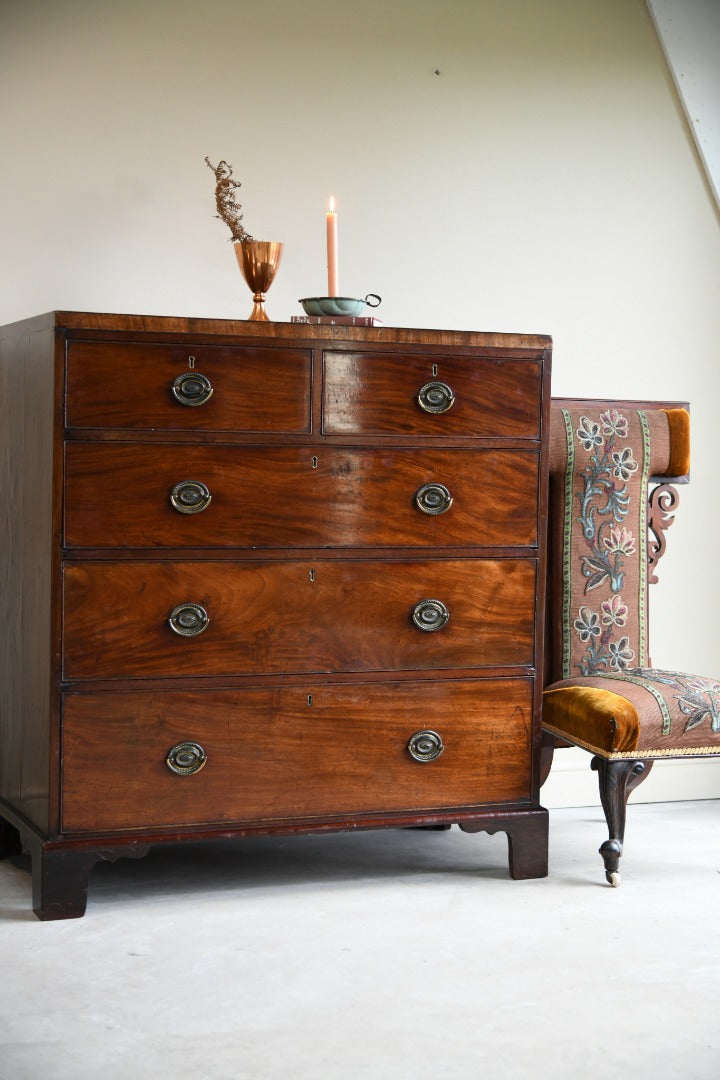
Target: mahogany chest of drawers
(266, 578)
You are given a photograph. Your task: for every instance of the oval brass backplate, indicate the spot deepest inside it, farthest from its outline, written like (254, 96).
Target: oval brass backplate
(425, 746)
(188, 620)
(192, 388)
(185, 758)
(430, 615)
(435, 397)
(190, 497)
(433, 499)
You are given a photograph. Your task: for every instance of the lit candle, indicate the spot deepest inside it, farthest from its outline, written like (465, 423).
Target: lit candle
(332, 253)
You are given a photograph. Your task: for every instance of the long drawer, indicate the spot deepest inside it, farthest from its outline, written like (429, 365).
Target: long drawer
(431, 397)
(273, 497)
(200, 387)
(273, 754)
(234, 618)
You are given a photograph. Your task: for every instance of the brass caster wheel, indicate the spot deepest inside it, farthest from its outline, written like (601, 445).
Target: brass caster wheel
(613, 878)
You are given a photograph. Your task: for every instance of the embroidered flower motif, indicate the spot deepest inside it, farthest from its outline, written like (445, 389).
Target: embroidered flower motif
(698, 698)
(700, 702)
(604, 497)
(621, 655)
(614, 611)
(587, 624)
(620, 541)
(699, 685)
(624, 464)
(614, 423)
(589, 433)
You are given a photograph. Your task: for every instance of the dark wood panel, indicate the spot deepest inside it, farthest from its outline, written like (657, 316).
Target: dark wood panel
(378, 395)
(295, 616)
(116, 384)
(271, 497)
(27, 434)
(284, 753)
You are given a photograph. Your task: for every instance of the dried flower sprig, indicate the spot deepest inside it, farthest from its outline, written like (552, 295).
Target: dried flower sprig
(228, 209)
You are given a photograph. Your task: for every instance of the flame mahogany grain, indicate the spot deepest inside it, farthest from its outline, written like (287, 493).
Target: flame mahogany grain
(301, 697)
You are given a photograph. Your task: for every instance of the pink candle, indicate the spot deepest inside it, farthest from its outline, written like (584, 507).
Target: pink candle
(332, 253)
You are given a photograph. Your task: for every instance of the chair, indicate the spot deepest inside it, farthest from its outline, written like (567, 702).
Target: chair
(607, 533)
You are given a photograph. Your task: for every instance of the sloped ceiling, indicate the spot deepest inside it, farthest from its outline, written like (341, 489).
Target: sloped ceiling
(689, 31)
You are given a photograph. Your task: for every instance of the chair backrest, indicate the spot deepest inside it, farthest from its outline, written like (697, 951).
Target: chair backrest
(604, 455)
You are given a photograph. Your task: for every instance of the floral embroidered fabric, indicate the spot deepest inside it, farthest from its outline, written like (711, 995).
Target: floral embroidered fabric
(695, 698)
(604, 563)
(603, 610)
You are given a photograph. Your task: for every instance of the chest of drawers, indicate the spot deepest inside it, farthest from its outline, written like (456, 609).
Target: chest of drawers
(266, 578)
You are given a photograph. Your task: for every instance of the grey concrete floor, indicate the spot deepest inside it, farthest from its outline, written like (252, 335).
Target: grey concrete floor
(397, 954)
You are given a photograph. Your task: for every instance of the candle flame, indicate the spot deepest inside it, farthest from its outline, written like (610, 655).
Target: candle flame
(332, 204)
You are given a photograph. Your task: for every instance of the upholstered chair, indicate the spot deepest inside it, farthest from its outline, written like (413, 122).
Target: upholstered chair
(614, 468)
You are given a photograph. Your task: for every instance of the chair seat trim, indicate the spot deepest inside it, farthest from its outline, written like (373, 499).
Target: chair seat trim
(630, 755)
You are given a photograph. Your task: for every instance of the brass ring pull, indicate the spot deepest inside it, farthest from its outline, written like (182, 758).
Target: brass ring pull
(192, 388)
(435, 397)
(190, 497)
(188, 620)
(433, 499)
(430, 615)
(185, 758)
(425, 746)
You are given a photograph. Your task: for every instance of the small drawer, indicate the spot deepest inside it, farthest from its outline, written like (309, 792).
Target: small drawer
(199, 387)
(144, 760)
(125, 495)
(147, 619)
(441, 396)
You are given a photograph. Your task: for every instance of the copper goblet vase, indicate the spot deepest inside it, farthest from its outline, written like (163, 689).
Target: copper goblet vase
(258, 261)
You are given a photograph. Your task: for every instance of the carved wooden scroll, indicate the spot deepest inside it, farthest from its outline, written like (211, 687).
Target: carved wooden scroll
(663, 501)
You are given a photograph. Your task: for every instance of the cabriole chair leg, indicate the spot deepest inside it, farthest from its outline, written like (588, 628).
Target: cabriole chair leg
(617, 779)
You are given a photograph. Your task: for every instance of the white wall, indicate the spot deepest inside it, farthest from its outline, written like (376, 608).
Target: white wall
(545, 180)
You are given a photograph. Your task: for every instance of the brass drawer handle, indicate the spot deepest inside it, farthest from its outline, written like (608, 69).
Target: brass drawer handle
(185, 758)
(430, 615)
(192, 388)
(190, 497)
(435, 397)
(188, 620)
(433, 499)
(425, 746)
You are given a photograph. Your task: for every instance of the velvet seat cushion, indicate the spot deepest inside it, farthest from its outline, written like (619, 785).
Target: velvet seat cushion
(639, 712)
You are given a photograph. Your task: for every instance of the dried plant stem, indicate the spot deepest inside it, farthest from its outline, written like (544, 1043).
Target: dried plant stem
(228, 209)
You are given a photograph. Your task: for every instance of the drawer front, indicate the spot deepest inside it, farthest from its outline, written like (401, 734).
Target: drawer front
(154, 386)
(381, 395)
(273, 497)
(283, 753)
(312, 616)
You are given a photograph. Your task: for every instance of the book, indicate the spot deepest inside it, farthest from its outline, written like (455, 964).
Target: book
(337, 320)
